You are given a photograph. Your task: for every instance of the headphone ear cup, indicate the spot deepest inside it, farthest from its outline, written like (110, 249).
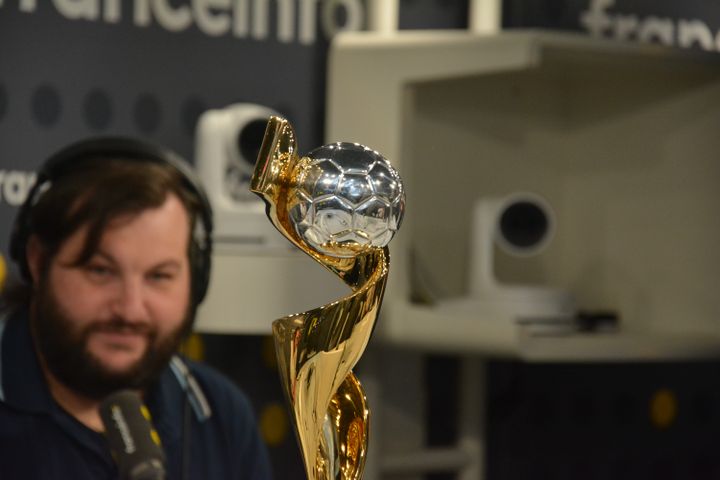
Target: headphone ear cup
(200, 271)
(16, 247)
(22, 229)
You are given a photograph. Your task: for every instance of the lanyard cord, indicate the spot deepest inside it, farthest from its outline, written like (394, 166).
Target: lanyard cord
(194, 400)
(194, 393)
(186, 438)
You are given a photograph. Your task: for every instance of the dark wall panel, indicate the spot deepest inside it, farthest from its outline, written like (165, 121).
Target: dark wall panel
(656, 421)
(63, 78)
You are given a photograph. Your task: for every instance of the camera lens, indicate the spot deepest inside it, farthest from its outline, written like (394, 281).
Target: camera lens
(250, 138)
(523, 224)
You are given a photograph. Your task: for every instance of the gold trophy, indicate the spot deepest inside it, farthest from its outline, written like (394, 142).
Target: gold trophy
(341, 204)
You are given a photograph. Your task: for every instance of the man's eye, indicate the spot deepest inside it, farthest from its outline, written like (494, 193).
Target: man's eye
(161, 276)
(98, 270)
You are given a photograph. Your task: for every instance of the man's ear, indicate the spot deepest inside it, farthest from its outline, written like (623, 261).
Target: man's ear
(34, 256)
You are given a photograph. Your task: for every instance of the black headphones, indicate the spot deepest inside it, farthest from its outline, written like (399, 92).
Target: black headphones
(133, 150)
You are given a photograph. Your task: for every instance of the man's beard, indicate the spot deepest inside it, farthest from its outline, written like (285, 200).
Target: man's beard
(63, 347)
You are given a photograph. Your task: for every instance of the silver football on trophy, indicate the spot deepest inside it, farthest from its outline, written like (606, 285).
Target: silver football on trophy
(349, 198)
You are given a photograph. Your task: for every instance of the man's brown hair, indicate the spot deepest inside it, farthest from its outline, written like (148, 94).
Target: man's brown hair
(93, 193)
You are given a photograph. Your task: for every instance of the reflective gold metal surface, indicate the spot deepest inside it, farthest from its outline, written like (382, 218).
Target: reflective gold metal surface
(317, 349)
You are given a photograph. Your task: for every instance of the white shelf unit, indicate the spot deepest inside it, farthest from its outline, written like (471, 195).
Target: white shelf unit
(621, 139)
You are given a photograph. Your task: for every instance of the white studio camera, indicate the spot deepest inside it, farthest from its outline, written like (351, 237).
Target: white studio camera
(227, 142)
(522, 225)
(257, 274)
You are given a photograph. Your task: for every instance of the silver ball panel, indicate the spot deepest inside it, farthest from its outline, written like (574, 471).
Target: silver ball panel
(351, 198)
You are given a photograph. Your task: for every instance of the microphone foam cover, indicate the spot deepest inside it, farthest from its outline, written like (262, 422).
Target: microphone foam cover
(134, 443)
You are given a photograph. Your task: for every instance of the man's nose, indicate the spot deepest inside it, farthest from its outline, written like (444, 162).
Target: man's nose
(130, 303)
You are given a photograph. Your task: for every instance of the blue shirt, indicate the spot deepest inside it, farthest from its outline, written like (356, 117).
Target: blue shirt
(39, 440)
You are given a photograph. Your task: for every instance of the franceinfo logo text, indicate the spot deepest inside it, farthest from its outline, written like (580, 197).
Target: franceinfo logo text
(680, 32)
(245, 19)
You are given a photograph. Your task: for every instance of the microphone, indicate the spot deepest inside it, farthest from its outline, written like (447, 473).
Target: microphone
(134, 443)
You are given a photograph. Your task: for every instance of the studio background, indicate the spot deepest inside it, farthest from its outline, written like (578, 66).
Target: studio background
(72, 68)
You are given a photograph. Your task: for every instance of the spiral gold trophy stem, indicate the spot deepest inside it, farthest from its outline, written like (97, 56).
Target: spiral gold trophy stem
(317, 350)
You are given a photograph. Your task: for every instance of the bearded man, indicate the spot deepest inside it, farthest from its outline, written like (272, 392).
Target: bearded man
(114, 245)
